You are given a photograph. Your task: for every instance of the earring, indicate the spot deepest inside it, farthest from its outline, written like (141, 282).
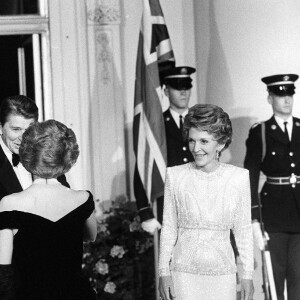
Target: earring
(217, 156)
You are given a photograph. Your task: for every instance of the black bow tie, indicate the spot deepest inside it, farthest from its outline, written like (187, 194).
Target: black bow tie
(15, 159)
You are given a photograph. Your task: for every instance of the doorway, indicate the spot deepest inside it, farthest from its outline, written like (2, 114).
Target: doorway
(25, 52)
(16, 61)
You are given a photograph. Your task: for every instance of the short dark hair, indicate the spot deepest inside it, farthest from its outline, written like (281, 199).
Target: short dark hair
(210, 118)
(18, 105)
(48, 149)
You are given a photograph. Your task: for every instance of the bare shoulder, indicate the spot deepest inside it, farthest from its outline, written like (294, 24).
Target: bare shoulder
(9, 202)
(79, 195)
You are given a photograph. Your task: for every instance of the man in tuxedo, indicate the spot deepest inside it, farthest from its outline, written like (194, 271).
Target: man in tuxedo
(273, 147)
(177, 83)
(17, 113)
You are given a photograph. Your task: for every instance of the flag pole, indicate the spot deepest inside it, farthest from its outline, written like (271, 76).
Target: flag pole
(156, 252)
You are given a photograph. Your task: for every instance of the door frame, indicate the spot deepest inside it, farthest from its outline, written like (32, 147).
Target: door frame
(35, 25)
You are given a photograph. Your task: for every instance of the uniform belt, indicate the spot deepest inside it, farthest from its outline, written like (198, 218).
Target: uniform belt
(293, 179)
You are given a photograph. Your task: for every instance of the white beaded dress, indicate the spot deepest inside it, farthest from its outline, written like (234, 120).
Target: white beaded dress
(199, 210)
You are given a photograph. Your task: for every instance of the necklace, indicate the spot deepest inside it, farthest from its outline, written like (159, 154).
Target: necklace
(46, 181)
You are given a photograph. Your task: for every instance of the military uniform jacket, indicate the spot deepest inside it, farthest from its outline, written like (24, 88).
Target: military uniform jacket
(9, 182)
(280, 203)
(178, 152)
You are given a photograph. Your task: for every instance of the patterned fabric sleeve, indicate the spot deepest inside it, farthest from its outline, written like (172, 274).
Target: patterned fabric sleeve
(242, 226)
(169, 227)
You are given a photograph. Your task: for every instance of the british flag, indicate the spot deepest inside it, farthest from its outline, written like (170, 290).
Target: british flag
(154, 48)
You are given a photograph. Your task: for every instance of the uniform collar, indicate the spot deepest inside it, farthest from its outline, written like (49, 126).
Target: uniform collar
(281, 121)
(176, 115)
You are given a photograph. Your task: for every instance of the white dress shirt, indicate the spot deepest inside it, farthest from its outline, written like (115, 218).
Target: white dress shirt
(176, 116)
(22, 174)
(289, 124)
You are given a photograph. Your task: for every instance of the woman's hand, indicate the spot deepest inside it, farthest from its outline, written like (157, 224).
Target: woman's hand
(247, 289)
(166, 288)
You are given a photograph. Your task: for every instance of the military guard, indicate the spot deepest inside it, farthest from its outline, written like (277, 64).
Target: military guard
(273, 147)
(177, 84)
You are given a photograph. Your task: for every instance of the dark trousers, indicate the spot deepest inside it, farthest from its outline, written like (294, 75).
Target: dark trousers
(285, 257)
(160, 209)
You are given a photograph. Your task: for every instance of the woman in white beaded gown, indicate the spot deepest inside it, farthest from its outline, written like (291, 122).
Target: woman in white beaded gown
(203, 201)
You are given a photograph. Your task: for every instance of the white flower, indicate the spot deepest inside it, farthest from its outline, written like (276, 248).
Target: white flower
(117, 251)
(135, 225)
(110, 287)
(102, 267)
(99, 211)
(102, 228)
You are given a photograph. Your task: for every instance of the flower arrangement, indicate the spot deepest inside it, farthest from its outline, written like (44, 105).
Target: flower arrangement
(120, 263)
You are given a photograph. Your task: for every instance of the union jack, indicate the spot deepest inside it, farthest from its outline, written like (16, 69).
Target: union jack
(154, 48)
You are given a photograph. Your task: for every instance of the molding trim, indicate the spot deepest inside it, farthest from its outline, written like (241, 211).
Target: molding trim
(104, 13)
(104, 55)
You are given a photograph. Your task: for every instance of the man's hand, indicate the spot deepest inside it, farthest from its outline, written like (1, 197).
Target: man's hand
(166, 288)
(247, 289)
(151, 225)
(258, 236)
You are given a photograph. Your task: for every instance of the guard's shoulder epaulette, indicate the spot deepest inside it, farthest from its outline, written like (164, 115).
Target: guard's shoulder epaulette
(296, 119)
(255, 124)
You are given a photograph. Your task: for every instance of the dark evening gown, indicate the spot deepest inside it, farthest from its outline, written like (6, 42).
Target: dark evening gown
(47, 255)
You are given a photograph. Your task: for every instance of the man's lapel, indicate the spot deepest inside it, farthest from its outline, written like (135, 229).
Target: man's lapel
(8, 177)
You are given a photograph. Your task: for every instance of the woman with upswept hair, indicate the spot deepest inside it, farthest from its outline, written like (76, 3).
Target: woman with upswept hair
(204, 200)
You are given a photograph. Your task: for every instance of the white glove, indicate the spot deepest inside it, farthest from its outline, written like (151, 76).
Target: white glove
(258, 236)
(151, 225)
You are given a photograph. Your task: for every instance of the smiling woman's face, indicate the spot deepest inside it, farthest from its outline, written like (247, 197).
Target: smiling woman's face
(204, 147)
(12, 131)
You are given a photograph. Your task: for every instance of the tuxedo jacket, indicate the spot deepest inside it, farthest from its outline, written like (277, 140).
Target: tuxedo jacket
(9, 182)
(280, 204)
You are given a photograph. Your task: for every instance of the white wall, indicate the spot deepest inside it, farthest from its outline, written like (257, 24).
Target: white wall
(237, 43)
(70, 81)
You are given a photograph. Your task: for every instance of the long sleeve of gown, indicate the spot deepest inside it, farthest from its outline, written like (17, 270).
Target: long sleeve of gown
(7, 291)
(242, 227)
(169, 227)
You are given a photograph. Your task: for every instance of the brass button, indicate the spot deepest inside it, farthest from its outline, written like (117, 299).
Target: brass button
(273, 153)
(185, 159)
(184, 148)
(292, 165)
(291, 153)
